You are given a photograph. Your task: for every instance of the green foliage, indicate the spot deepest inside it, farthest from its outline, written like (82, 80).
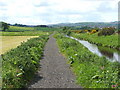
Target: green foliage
(107, 41)
(91, 70)
(20, 64)
(106, 31)
(68, 33)
(47, 29)
(5, 26)
(20, 29)
(65, 29)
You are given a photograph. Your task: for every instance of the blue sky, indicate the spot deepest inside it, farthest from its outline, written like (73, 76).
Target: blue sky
(34, 12)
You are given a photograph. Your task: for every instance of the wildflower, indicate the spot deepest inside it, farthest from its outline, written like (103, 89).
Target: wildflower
(76, 54)
(114, 85)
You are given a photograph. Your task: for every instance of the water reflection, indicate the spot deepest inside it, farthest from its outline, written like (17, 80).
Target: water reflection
(109, 53)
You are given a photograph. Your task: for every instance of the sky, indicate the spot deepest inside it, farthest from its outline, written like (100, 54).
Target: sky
(36, 12)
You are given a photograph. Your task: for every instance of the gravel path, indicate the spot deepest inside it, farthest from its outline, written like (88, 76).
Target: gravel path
(54, 72)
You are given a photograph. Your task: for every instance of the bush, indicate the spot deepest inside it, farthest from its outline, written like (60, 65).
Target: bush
(106, 31)
(93, 31)
(68, 33)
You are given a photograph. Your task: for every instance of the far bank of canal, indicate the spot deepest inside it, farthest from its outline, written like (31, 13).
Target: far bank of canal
(110, 53)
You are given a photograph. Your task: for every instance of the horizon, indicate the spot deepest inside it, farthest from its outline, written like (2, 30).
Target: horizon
(40, 12)
(59, 23)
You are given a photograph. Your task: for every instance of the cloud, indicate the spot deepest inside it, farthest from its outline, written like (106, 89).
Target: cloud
(3, 4)
(107, 7)
(57, 11)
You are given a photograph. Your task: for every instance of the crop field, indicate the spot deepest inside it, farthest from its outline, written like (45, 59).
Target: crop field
(10, 42)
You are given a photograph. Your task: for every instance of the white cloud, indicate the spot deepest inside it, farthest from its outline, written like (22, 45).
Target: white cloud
(57, 11)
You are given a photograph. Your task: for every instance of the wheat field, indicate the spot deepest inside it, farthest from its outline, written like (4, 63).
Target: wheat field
(10, 42)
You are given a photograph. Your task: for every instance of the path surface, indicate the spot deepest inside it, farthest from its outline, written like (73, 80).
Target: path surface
(54, 72)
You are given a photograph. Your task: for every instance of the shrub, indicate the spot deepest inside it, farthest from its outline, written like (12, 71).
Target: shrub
(68, 33)
(93, 31)
(106, 31)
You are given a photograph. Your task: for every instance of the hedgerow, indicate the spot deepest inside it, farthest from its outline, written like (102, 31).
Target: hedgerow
(20, 64)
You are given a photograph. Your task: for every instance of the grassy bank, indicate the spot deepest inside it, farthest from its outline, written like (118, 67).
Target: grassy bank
(20, 64)
(107, 41)
(91, 70)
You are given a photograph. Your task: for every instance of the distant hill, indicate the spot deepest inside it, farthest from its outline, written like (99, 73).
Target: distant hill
(89, 24)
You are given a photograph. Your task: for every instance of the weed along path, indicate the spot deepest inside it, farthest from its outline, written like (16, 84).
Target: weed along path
(53, 72)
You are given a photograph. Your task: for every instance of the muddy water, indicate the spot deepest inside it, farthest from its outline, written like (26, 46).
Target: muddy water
(111, 54)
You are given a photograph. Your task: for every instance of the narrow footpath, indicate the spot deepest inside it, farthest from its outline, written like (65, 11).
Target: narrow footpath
(54, 72)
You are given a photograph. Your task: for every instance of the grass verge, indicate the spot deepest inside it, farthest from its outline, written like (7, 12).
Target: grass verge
(91, 70)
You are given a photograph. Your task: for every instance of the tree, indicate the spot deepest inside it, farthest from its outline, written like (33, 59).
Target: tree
(5, 26)
(65, 29)
(107, 31)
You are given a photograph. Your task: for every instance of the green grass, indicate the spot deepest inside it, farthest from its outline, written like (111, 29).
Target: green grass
(20, 29)
(91, 70)
(47, 29)
(20, 64)
(26, 33)
(108, 41)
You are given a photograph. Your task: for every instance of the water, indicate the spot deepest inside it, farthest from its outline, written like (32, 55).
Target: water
(111, 54)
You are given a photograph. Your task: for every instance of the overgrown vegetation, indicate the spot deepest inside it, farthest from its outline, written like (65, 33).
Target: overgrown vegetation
(107, 41)
(91, 70)
(20, 64)
(107, 31)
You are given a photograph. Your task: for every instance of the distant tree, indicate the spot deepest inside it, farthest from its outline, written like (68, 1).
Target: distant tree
(85, 27)
(107, 31)
(5, 26)
(65, 29)
(20, 25)
(41, 26)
